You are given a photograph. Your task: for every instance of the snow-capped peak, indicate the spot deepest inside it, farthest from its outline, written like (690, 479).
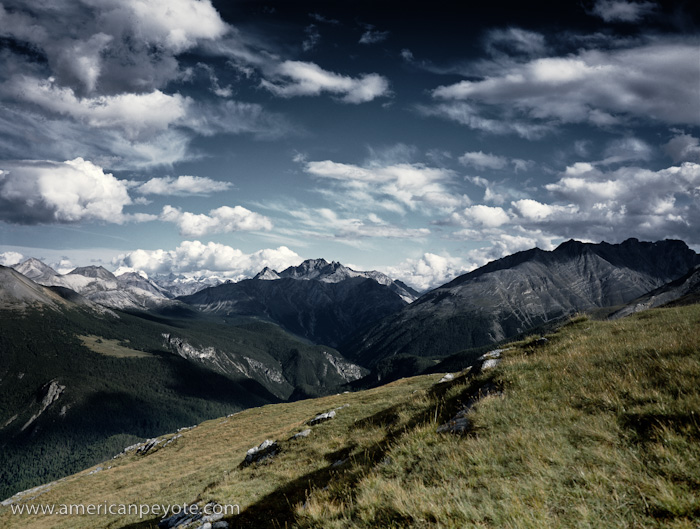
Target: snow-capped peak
(128, 270)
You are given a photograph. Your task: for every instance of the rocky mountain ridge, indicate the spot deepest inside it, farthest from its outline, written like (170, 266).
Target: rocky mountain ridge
(99, 285)
(334, 272)
(520, 292)
(324, 312)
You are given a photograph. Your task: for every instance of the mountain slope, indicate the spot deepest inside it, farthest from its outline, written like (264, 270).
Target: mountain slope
(595, 428)
(78, 382)
(684, 290)
(324, 312)
(519, 292)
(19, 292)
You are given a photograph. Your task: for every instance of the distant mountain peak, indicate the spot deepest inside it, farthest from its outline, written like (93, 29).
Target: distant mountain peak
(335, 272)
(35, 269)
(267, 274)
(98, 272)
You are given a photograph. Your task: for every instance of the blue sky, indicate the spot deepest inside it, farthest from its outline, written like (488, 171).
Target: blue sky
(216, 138)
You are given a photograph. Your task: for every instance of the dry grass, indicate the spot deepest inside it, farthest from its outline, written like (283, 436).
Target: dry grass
(598, 428)
(107, 347)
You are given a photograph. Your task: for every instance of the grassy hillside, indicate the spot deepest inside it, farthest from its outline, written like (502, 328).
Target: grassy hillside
(597, 427)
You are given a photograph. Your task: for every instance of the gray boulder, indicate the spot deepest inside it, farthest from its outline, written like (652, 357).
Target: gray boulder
(265, 450)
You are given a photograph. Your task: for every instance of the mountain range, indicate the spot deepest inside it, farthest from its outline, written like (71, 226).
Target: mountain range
(520, 292)
(319, 301)
(79, 352)
(127, 291)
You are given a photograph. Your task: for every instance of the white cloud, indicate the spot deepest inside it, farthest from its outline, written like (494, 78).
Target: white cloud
(429, 271)
(515, 40)
(220, 220)
(657, 81)
(104, 90)
(469, 115)
(10, 258)
(33, 192)
(683, 148)
(394, 187)
(145, 115)
(372, 36)
(593, 204)
(324, 223)
(137, 115)
(297, 78)
(533, 210)
(504, 244)
(480, 215)
(182, 185)
(123, 131)
(482, 160)
(312, 37)
(622, 10)
(175, 24)
(195, 258)
(114, 46)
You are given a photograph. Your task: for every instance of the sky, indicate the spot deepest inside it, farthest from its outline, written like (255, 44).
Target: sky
(208, 137)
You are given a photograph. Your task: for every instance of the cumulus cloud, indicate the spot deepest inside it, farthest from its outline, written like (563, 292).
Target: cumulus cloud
(590, 203)
(135, 114)
(10, 258)
(182, 185)
(622, 10)
(429, 271)
(683, 148)
(220, 220)
(107, 84)
(114, 46)
(35, 192)
(195, 258)
(394, 187)
(656, 80)
(504, 244)
(297, 78)
(480, 215)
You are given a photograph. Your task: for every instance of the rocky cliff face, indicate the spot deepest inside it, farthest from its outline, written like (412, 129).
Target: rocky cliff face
(280, 371)
(520, 292)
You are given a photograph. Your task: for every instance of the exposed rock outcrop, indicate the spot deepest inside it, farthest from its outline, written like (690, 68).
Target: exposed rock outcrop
(265, 450)
(51, 392)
